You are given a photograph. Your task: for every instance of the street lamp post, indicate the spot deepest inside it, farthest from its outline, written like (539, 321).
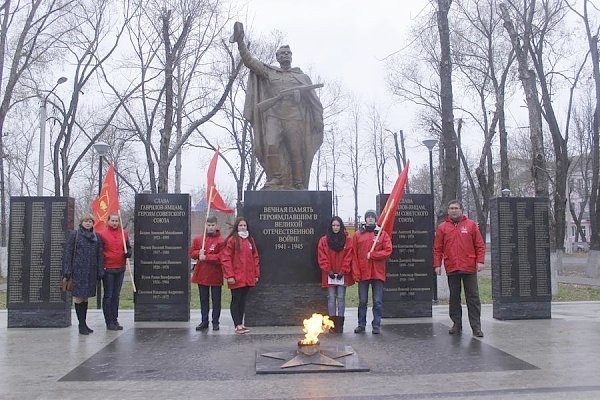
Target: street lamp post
(430, 144)
(40, 182)
(102, 150)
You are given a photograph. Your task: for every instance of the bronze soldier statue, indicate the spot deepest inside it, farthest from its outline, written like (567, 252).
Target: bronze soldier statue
(286, 115)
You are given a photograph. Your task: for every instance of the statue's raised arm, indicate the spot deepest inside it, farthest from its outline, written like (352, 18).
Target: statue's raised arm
(286, 115)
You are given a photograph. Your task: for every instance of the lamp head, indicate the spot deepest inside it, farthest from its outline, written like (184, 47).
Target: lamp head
(429, 143)
(101, 148)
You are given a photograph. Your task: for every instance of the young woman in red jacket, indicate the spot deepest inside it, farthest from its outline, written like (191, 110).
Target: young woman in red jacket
(241, 268)
(115, 254)
(334, 254)
(208, 274)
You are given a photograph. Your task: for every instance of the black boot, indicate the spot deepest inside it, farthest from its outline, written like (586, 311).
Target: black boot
(85, 308)
(339, 327)
(333, 319)
(79, 310)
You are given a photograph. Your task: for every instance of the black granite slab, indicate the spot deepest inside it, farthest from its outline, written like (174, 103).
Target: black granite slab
(146, 354)
(287, 226)
(38, 228)
(162, 264)
(409, 273)
(520, 241)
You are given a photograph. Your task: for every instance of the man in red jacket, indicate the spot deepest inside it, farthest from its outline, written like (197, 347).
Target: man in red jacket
(459, 242)
(208, 273)
(368, 269)
(115, 252)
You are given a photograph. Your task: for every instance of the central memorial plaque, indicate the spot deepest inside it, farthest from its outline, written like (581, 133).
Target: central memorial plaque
(409, 273)
(287, 226)
(37, 233)
(521, 287)
(162, 273)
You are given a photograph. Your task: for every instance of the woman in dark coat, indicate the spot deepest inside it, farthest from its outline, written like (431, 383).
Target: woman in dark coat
(83, 261)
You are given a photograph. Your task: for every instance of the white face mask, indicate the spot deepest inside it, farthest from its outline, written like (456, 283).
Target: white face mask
(243, 235)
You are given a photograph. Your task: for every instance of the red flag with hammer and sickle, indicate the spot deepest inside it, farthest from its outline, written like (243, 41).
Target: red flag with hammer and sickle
(107, 201)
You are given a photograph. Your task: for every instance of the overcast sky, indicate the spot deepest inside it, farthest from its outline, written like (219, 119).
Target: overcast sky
(346, 41)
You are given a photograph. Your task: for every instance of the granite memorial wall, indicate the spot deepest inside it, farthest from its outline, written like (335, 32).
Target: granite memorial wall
(409, 273)
(287, 226)
(521, 287)
(38, 230)
(162, 263)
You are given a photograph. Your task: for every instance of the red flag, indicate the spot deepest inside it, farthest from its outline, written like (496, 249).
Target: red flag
(215, 201)
(107, 201)
(387, 223)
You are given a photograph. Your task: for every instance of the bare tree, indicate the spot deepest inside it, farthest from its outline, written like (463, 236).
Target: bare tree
(521, 42)
(30, 28)
(591, 33)
(177, 50)
(448, 135)
(353, 154)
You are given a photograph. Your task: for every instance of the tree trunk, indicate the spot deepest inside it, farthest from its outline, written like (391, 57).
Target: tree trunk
(165, 134)
(448, 136)
(528, 80)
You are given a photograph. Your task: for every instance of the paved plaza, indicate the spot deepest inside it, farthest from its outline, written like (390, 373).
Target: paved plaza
(412, 359)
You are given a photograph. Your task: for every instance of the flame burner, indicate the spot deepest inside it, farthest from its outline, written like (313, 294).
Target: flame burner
(309, 356)
(308, 349)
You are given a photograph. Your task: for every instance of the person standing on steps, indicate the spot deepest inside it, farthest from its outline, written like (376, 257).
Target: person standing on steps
(208, 274)
(460, 244)
(83, 262)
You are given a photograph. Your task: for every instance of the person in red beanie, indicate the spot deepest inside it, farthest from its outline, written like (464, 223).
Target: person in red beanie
(208, 273)
(459, 243)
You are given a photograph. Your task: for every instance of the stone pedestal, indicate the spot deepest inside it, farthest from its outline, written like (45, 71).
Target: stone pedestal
(287, 226)
(162, 266)
(521, 277)
(409, 273)
(38, 229)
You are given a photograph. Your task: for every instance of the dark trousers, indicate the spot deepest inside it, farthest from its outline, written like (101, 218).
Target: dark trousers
(238, 304)
(469, 282)
(214, 292)
(363, 298)
(112, 283)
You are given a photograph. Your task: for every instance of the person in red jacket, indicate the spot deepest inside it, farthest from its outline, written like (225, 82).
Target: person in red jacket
(368, 269)
(241, 269)
(208, 273)
(115, 253)
(334, 253)
(459, 243)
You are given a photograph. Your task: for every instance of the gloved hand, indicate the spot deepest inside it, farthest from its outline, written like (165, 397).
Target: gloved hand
(340, 275)
(331, 275)
(127, 255)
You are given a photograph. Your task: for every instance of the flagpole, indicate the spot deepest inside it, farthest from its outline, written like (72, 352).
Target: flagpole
(210, 199)
(387, 214)
(125, 249)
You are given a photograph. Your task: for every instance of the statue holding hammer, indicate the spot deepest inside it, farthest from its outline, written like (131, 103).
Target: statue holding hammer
(286, 115)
